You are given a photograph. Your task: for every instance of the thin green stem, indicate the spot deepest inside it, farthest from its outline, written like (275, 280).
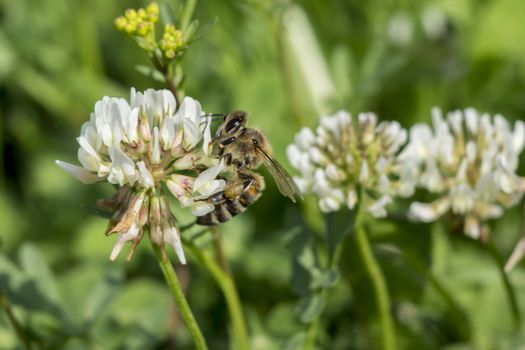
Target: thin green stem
(227, 286)
(219, 253)
(511, 295)
(19, 329)
(164, 69)
(180, 299)
(378, 280)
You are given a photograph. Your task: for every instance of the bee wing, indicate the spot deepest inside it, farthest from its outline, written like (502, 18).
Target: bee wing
(284, 181)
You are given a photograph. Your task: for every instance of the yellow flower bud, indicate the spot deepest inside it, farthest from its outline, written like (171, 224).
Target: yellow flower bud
(130, 14)
(163, 44)
(177, 38)
(143, 28)
(169, 29)
(171, 41)
(153, 9)
(121, 22)
(130, 28)
(141, 13)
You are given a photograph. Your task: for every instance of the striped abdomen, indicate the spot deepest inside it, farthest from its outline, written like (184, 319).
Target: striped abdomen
(227, 208)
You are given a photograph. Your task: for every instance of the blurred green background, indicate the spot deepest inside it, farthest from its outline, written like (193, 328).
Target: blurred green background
(286, 63)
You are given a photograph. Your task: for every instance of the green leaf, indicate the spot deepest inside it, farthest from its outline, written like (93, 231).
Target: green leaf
(190, 31)
(150, 72)
(138, 318)
(296, 342)
(338, 225)
(311, 307)
(102, 294)
(23, 289)
(343, 70)
(38, 270)
(282, 320)
(168, 12)
(193, 35)
(298, 240)
(187, 14)
(324, 279)
(301, 280)
(7, 56)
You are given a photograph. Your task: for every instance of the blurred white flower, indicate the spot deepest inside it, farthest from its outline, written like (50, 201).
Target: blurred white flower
(434, 22)
(140, 145)
(400, 28)
(338, 158)
(468, 160)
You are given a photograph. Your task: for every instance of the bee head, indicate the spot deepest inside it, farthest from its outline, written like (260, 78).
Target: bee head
(234, 122)
(259, 140)
(232, 126)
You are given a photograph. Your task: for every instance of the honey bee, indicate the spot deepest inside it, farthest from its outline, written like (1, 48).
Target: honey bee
(244, 149)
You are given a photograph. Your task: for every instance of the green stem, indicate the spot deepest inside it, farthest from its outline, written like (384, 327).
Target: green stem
(19, 329)
(219, 253)
(511, 296)
(164, 69)
(180, 299)
(227, 286)
(311, 335)
(378, 280)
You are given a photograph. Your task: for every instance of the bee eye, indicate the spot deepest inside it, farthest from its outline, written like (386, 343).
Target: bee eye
(232, 125)
(227, 141)
(254, 141)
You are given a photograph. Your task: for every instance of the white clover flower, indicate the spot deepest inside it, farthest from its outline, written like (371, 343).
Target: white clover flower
(338, 158)
(434, 22)
(140, 145)
(470, 161)
(400, 28)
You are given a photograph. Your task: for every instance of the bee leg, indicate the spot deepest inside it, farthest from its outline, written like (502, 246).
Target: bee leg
(241, 191)
(238, 186)
(224, 203)
(254, 185)
(228, 159)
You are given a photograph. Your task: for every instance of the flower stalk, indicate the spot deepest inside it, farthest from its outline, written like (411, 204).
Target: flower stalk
(178, 295)
(371, 266)
(227, 285)
(311, 335)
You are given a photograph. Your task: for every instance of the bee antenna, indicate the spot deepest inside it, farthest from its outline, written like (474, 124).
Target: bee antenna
(213, 115)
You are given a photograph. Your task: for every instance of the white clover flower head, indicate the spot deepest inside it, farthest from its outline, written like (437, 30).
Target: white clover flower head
(338, 158)
(400, 28)
(469, 160)
(434, 22)
(140, 145)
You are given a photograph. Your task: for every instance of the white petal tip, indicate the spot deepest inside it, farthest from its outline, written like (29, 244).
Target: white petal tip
(114, 255)
(182, 259)
(78, 172)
